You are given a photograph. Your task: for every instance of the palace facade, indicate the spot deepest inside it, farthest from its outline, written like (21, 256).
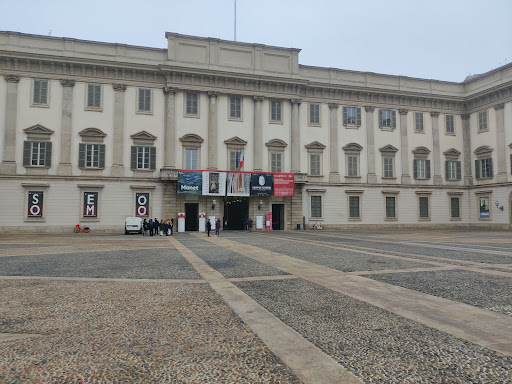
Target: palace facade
(92, 131)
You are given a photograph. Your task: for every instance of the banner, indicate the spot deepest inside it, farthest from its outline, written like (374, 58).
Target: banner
(90, 204)
(261, 184)
(239, 184)
(214, 183)
(284, 184)
(189, 183)
(142, 204)
(35, 204)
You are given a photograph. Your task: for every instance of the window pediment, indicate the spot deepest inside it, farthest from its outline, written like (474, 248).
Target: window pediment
(315, 145)
(452, 153)
(421, 151)
(483, 151)
(276, 143)
(143, 138)
(352, 147)
(191, 139)
(38, 129)
(388, 149)
(92, 133)
(235, 142)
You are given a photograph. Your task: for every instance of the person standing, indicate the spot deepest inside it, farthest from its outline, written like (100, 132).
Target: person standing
(157, 226)
(144, 228)
(171, 224)
(217, 227)
(208, 227)
(151, 227)
(249, 224)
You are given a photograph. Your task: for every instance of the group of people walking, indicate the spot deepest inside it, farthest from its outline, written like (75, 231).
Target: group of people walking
(163, 227)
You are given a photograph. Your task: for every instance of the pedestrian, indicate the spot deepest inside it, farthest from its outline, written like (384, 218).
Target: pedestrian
(157, 226)
(217, 227)
(166, 227)
(172, 224)
(144, 228)
(249, 223)
(208, 227)
(151, 227)
(246, 224)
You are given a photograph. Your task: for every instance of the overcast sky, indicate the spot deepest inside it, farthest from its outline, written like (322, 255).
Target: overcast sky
(433, 39)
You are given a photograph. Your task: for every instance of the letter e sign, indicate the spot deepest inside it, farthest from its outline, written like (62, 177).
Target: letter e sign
(90, 204)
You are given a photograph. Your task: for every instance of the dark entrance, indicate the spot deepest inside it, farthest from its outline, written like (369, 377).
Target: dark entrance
(277, 217)
(236, 210)
(191, 217)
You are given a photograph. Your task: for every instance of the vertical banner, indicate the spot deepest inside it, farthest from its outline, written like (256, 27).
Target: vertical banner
(90, 204)
(268, 221)
(238, 184)
(181, 222)
(190, 183)
(259, 223)
(35, 204)
(214, 183)
(261, 184)
(284, 184)
(212, 222)
(142, 204)
(202, 221)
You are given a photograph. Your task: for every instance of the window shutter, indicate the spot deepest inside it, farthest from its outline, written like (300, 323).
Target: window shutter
(447, 169)
(101, 156)
(133, 158)
(48, 155)
(491, 173)
(81, 155)
(141, 99)
(97, 96)
(37, 91)
(90, 95)
(44, 92)
(427, 168)
(152, 158)
(358, 117)
(147, 100)
(27, 146)
(459, 170)
(393, 119)
(380, 118)
(477, 169)
(511, 164)
(345, 118)
(415, 168)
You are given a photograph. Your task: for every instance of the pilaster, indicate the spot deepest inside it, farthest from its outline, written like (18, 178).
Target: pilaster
(404, 146)
(117, 169)
(258, 133)
(295, 150)
(66, 127)
(501, 176)
(466, 139)
(438, 177)
(334, 175)
(370, 144)
(8, 166)
(170, 127)
(212, 130)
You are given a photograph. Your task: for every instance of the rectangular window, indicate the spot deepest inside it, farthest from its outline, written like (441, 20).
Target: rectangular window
(482, 121)
(236, 162)
(314, 164)
(314, 114)
(455, 207)
(38, 154)
(351, 115)
(143, 157)
(450, 128)
(484, 207)
(235, 107)
(191, 158)
(419, 121)
(276, 159)
(453, 170)
(388, 166)
(352, 166)
(144, 100)
(192, 104)
(483, 168)
(40, 92)
(421, 168)
(275, 111)
(353, 202)
(92, 156)
(93, 96)
(316, 206)
(390, 207)
(424, 211)
(387, 118)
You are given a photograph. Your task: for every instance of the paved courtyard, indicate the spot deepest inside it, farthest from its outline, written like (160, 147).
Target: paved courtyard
(261, 307)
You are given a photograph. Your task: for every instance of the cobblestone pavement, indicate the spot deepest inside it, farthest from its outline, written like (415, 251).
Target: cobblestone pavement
(279, 307)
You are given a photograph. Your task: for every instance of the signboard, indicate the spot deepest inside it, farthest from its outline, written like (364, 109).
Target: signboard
(181, 222)
(214, 183)
(284, 184)
(484, 207)
(90, 204)
(202, 221)
(239, 184)
(259, 223)
(35, 204)
(261, 184)
(268, 222)
(142, 204)
(212, 222)
(190, 183)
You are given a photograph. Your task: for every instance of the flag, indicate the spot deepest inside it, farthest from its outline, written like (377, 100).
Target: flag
(237, 164)
(242, 158)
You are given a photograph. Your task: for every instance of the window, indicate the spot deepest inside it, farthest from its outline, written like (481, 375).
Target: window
(424, 207)
(353, 165)
(353, 206)
(450, 128)
(483, 168)
(275, 111)
(420, 169)
(390, 207)
(455, 207)
(482, 121)
(314, 114)
(192, 104)
(388, 161)
(235, 107)
(387, 118)
(191, 158)
(91, 155)
(453, 170)
(388, 164)
(352, 116)
(314, 164)
(37, 154)
(276, 162)
(144, 100)
(419, 121)
(484, 207)
(144, 157)
(40, 92)
(94, 96)
(236, 159)
(316, 206)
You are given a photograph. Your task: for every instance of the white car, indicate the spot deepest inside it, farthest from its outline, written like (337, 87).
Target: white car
(133, 224)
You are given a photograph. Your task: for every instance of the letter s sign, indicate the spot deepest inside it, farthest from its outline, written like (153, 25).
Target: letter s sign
(35, 204)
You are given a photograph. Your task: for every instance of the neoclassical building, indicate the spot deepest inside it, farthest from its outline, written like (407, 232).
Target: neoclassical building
(94, 132)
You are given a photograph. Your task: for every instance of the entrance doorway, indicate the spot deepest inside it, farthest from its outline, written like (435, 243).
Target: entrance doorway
(236, 211)
(277, 217)
(191, 217)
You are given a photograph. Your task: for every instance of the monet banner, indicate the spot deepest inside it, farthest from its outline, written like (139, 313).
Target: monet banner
(239, 184)
(214, 183)
(261, 184)
(189, 183)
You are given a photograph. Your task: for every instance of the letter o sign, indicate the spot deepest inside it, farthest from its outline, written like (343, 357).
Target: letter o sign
(142, 204)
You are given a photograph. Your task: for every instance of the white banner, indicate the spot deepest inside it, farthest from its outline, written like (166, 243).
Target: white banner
(214, 183)
(238, 184)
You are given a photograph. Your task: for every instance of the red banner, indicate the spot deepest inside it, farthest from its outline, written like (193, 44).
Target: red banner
(284, 184)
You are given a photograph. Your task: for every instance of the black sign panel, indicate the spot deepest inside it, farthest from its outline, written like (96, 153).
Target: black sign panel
(261, 184)
(35, 204)
(90, 204)
(142, 204)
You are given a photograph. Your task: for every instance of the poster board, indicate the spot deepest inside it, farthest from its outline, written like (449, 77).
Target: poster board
(181, 222)
(259, 223)
(202, 222)
(212, 221)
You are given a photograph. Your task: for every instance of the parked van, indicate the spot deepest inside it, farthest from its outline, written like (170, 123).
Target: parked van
(133, 224)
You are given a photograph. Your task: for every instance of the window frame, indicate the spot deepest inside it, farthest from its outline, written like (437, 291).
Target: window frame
(350, 195)
(319, 196)
(419, 126)
(40, 104)
(392, 160)
(186, 104)
(450, 123)
(230, 105)
(93, 107)
(43, 154)
(423, 197)
(280, 154)
(395, 206)
(314, 114)
(144, 111)
(483, 123)
(391, 120)
(481, 197)
(185, 162)
(349, 160)
(457, 196)
(310, 162)
(279, 103)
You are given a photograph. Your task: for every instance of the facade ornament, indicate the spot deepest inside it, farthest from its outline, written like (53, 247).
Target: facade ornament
(465, 116)
(119, 87)
(369, 108)
(12, 78)
(296, 101)
(67, 83)
(168, 90)
(259, 98)
(403, 111)
(213, 93)
(434, 114)
(499, 106)
(333, 105)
